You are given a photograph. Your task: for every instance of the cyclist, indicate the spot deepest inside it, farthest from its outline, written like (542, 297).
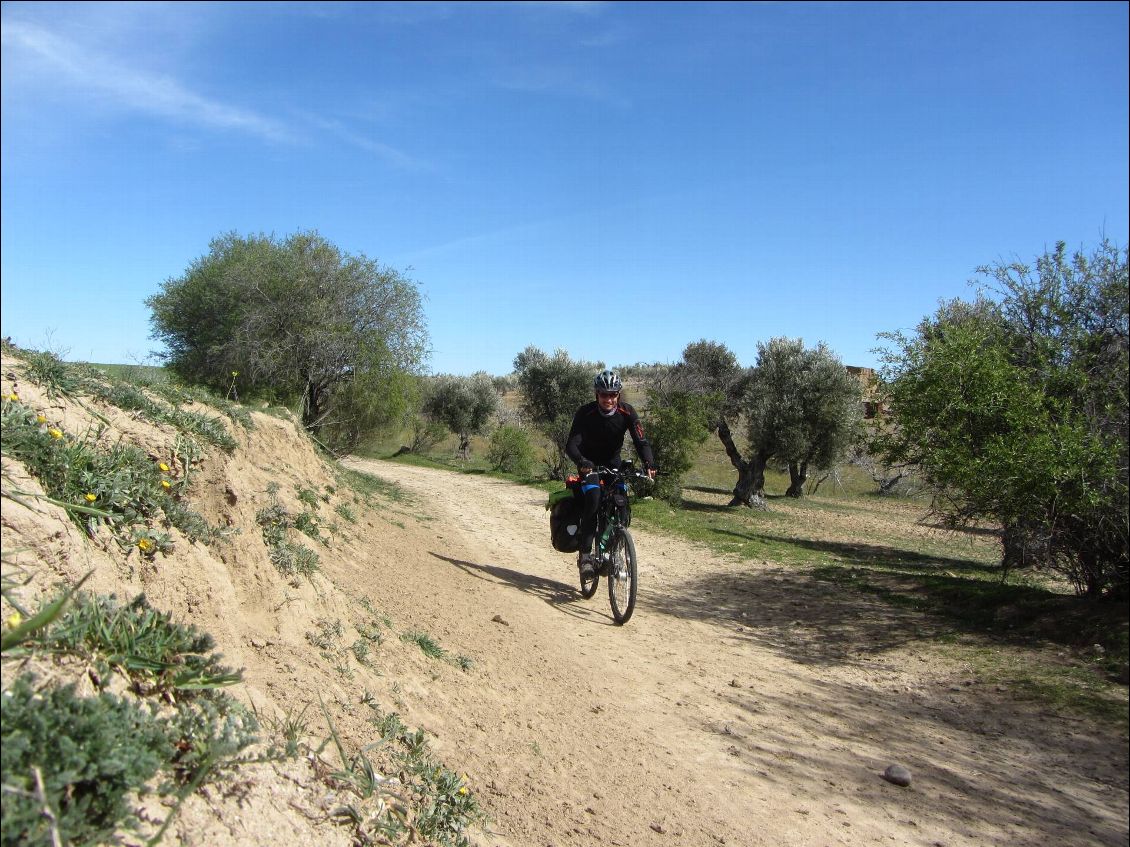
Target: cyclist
(596, 439)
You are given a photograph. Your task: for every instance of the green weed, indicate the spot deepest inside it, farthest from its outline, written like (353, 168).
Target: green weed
(290, 559)
(426, 643)
(52, 374)
(360, 648)
(308, 524)
(69, 763)
(123, 486)
(445, 805)
(326, 636)
(309, 497)
(155, 654)
(289, 729)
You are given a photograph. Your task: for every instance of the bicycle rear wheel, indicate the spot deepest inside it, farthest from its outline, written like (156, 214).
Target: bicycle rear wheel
(588, 586)
(622, 577)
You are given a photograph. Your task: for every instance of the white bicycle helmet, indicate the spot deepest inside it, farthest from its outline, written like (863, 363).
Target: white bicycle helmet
(607, 381)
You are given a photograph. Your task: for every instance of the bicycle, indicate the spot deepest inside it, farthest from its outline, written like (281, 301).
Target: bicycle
(615, 549)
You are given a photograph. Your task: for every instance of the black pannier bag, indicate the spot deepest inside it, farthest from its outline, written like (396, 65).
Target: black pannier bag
(565, 520)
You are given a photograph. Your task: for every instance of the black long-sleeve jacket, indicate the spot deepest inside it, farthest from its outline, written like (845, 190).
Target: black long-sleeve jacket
(597, 440)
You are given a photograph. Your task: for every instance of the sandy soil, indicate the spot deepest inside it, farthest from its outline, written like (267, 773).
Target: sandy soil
(740, 705)
(743, 704)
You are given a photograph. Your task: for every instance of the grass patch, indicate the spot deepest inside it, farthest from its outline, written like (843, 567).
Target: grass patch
(367, 486)
(121, 484)
(1057, 681)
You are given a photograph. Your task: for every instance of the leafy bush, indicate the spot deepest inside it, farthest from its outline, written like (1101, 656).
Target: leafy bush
(426, 434)
(296, 318)
(677, 426)
(510, 451)
(70, 762)
(552, 389)
(1014, 408)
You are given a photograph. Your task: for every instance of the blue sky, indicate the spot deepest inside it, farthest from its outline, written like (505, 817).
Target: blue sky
(613, 179)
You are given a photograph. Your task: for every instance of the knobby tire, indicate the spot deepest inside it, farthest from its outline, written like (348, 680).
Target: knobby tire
(588, 586)
(622, 577)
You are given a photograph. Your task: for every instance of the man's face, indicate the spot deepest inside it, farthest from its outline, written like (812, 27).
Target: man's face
(607, 399)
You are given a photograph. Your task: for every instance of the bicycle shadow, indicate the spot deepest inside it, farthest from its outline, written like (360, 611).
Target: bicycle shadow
(564, 597)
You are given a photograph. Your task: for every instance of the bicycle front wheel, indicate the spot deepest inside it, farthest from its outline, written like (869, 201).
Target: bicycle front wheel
(622, 576)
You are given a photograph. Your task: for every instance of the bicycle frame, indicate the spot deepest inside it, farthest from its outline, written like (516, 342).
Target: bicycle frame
(609, 519)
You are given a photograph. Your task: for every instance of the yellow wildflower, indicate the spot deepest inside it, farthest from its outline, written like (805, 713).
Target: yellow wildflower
(14, 397)
(145, 545)
(165, 484)
(14, 620)
(55, 433)
(41, 418)
(235, 373)
(90, 498)
(164, 468)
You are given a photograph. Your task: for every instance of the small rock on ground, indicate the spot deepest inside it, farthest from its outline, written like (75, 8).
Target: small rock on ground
(897, 775)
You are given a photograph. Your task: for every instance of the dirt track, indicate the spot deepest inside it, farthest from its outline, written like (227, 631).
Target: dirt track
(743, 704)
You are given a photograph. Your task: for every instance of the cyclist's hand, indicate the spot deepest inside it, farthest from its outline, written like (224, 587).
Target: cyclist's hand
(651, 472)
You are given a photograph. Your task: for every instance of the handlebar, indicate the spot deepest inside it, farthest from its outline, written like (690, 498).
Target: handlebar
(627, 469)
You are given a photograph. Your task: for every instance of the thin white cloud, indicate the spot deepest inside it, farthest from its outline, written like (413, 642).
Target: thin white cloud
(584, 7)
(88, 73)
(473, 242)
(388, 153)
(560, 80)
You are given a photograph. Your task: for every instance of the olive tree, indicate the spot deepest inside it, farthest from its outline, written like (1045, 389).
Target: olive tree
(299, 320)
(801, 407)
(1014, 408)
(710, 371)
(464, 404)
(796, 405)
(552, 389)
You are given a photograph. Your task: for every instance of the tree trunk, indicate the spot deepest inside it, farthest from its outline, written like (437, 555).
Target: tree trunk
(750, 488)
(313, 407)
(798, 474)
